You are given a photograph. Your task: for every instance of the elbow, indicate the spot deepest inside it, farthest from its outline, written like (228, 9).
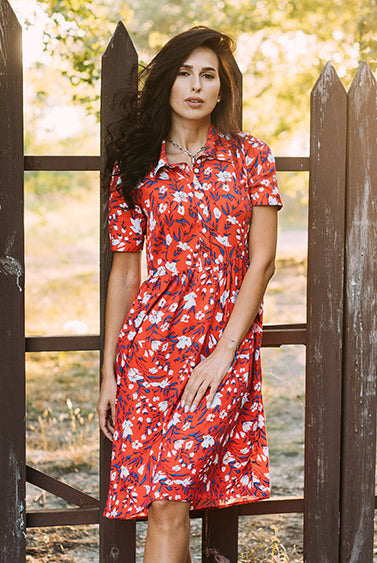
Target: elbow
(265, 269)
(270, 270)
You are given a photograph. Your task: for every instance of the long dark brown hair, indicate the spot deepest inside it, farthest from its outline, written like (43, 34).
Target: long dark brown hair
(135, 141)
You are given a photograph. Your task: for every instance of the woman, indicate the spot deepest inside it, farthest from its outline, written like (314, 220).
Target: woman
(181, 389)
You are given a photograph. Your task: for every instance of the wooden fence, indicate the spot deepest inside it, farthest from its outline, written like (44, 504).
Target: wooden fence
(340, 333)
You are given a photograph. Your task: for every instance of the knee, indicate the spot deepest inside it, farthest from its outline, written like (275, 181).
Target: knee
(168, 515)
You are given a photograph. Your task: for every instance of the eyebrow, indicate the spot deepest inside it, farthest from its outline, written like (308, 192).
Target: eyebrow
(203, 68)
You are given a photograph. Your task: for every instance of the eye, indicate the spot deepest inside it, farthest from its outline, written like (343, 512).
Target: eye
(183, 73)
(208, 76)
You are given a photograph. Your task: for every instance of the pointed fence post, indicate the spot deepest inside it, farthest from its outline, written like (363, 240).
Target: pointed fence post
(324, 316)
(360, 324)
(12, 332)
(119, 63)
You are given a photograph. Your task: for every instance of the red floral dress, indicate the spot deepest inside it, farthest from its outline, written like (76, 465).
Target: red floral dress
(196, 224)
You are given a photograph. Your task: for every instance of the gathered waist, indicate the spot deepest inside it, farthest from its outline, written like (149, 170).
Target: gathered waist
(176, 268)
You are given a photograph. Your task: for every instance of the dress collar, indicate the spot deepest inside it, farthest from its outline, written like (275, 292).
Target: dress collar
(218, 146)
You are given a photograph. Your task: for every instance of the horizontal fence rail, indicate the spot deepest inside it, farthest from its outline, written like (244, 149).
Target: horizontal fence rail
(93, 163)
(273, 337)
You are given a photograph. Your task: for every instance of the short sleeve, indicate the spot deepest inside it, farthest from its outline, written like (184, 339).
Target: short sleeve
(261, 172)
(126, 226)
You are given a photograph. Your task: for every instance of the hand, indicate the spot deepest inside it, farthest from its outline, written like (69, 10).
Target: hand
(106, 405)
(208, 375)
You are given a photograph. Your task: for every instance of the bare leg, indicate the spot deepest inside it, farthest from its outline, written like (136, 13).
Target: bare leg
(168, 534)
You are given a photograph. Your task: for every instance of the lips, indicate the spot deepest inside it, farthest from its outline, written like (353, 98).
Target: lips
(194, 102)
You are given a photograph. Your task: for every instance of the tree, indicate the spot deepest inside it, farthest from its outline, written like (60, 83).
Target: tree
(276, 76)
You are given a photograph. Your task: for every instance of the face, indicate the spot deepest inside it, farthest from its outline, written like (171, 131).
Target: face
(196, 89)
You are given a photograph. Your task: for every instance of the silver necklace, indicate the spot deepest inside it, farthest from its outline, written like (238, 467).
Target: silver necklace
(190, 154)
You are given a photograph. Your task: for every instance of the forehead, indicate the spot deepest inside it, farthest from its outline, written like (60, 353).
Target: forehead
(202, 57)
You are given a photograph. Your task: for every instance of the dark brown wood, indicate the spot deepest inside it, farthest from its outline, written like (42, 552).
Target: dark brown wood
(12, 335)
(292, 164)
(65, 517)
(286, 505)
(69, 163)
(59, 489)
(280, 335)
(324, 317)
(273, 336)
(62, 163)
(360, 326)
(62, 343)
(119, 64)
(220, 535)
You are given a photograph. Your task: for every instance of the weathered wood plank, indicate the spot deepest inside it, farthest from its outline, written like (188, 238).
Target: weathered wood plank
(12, 336)
(360, 326)
(62, 343)
(73, 162)
(119, 63)
(324, 317)
(62, 517)
(220, 535)
(61, 163)
(60, 489)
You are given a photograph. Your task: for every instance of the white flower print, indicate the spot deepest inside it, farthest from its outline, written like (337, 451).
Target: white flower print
(199, 315)
(224, 297)
(127, 428)
(190, 300)
(217, 213)
(246, 426)
(207, 441)
(145, 299)
(162, 207)
(134, 375)
(163, 406)
(156, 316)
(152, 221)
(173, 307)
(124, 472)
(168, 240)
(136, 226)
(183, 342)
(224, 176)
(171, 267)
(179, 197)
(139, 319)
(223, 240)
(181, 209)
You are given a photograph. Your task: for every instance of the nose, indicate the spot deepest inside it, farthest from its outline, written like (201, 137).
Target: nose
(195, 83)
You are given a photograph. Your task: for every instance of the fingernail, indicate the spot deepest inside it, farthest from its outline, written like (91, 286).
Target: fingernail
(186, 409)
(183, 403)
(192, 408)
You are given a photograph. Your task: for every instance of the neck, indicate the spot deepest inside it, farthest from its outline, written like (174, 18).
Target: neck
(190, 135)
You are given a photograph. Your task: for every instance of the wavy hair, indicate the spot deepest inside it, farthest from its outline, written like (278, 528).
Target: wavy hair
(134, 142)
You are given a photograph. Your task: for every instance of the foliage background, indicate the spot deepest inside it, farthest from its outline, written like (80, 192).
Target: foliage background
(281, 47)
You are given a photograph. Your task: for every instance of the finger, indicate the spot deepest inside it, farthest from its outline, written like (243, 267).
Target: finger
(212, 393)
(201, 391)
(103, 424)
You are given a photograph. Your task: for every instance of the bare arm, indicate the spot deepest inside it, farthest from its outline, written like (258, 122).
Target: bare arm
(124, 282)
(262, 248)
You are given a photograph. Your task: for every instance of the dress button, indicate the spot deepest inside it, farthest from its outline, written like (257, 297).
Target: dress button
(196, 170)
